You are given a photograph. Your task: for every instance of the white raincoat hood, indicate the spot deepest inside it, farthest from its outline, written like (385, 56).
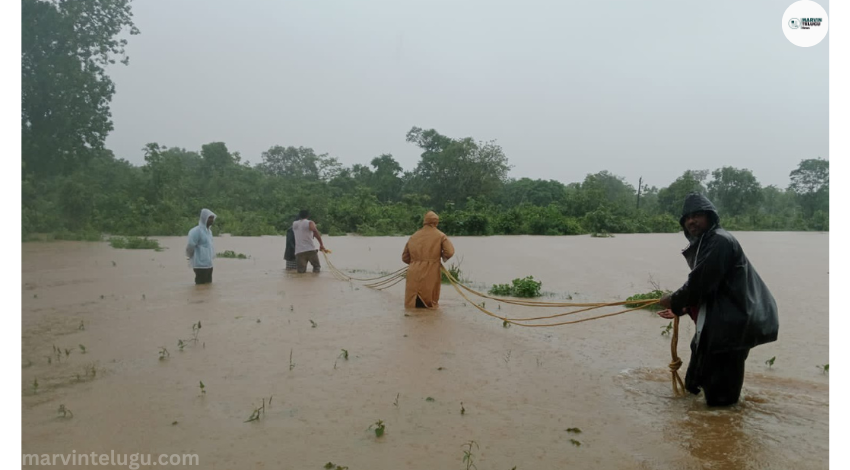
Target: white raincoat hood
(205, 215)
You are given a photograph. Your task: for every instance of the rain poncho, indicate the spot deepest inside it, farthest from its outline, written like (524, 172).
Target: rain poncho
(200, 249)
(423, 253)
(736, 309)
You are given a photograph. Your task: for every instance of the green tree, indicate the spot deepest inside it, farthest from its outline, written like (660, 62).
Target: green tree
(299, 162)
(386, 178)
(537, 192)
(671, 198)
(66, 47)
(734, 191)
(604, 189)
(453, 170)
(810, 180)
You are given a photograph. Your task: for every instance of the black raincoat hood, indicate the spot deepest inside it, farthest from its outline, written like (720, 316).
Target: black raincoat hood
(696, 202)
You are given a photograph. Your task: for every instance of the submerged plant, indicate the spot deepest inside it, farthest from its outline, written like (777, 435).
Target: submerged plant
(454, 270)
(770, 362)
(333, 466)
(462, 409)
(379, 428)
(666, 329)
(258, 412)
(134, 243)
(83, 349)
(65, 412)
(231, 254)
(163, 353)
(344, 354)
(824, 368)
(203, 387)
(468, 457)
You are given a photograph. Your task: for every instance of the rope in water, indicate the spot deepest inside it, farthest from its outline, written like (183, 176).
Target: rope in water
(388, 280)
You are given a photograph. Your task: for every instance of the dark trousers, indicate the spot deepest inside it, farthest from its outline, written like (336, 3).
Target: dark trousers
(302, 258)
(203, 276)
(719, 375)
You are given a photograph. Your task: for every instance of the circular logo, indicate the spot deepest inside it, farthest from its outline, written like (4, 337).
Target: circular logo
(805, 23)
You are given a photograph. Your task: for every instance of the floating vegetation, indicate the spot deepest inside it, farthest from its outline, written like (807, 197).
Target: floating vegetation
(379, 428)
(525, 287)
(231, 254)
(656, 294)
(134, 243)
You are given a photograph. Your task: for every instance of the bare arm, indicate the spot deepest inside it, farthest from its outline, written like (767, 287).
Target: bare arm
(317, 235)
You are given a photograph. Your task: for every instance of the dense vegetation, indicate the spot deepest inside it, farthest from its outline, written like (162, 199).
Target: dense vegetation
(75, 188)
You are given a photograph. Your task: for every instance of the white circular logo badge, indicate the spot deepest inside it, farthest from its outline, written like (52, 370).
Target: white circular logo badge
(805, 23)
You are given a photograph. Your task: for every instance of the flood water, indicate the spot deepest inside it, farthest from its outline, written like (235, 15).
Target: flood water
(521, 388)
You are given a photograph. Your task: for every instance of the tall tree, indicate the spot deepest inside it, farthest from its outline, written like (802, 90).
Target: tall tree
(810, 180)
(65, 91)
(299, 162)
(386, 179)
(671, 198)
(734, 191)
(453, 170)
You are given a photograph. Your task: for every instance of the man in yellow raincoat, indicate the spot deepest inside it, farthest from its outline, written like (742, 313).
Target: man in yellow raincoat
(423, 253)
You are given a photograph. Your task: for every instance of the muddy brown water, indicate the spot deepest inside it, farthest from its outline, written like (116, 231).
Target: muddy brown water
(521, 388)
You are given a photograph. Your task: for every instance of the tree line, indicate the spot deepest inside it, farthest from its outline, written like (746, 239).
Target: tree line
(73, 187)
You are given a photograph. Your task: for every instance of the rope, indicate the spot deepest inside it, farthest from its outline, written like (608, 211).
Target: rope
(388, 280)
(676, 363)
(345, 277)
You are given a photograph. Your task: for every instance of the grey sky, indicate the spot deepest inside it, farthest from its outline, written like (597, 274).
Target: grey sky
(566, 88)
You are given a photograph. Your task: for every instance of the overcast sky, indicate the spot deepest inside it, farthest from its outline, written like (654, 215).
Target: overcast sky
(567, 88)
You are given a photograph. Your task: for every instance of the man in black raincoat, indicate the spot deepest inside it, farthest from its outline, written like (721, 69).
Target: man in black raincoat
(289, 252)
(733, 308)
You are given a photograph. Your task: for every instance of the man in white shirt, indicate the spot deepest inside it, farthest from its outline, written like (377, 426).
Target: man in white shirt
(305, 230)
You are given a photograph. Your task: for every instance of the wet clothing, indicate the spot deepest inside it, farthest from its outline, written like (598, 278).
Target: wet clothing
(720, 375)
(291, 265)
(423, 252)
(199, 248)
(203, 275)
(736, 309)
(289, 252)
(312, 257)
(303, 236)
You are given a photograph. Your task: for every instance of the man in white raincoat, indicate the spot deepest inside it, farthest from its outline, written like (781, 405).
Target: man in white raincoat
(200, 248)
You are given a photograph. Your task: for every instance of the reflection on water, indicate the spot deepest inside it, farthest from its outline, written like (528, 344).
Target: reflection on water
(521, 388)
(773, 426)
